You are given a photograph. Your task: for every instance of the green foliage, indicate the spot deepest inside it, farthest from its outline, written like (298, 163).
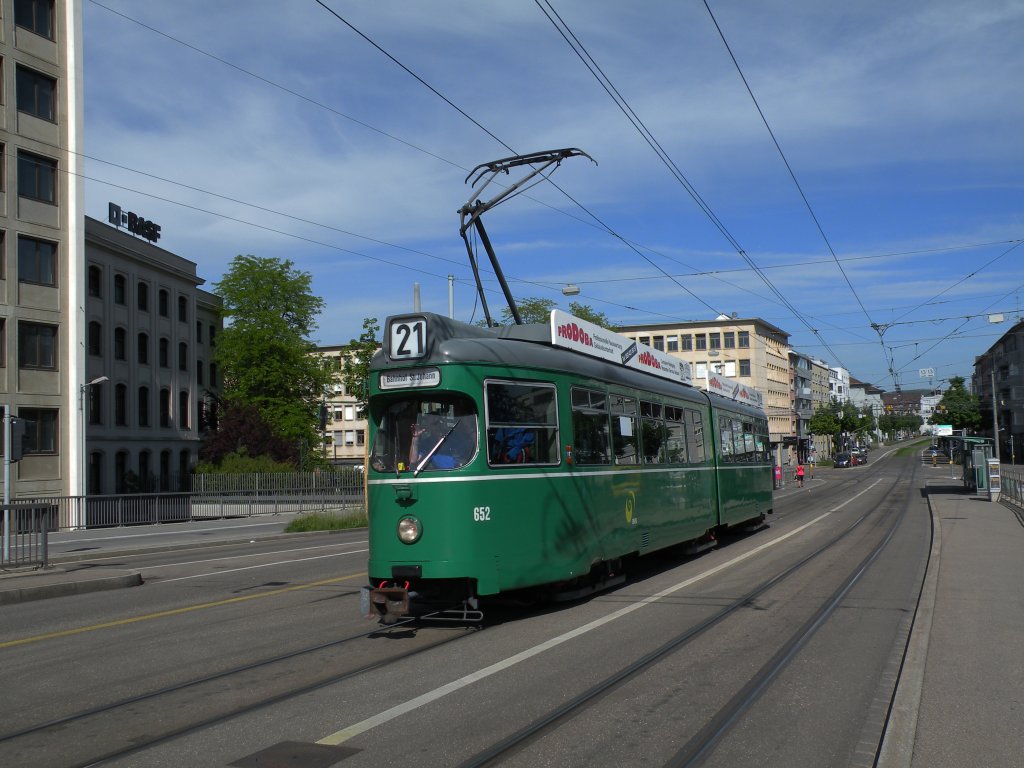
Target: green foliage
(326, 522)
(824, 420)
(240, 462)
(591, 315)
(355, 370)
(266, 352)
(958, 407)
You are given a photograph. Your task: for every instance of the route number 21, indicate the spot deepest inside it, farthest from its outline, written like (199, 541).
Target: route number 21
(408, 338)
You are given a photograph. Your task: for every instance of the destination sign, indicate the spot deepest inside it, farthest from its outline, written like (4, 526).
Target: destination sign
(419, 377)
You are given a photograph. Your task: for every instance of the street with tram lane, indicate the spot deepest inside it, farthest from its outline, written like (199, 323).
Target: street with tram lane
(781, 647)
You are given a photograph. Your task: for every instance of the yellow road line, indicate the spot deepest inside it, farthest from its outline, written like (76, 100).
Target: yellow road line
(175, 611)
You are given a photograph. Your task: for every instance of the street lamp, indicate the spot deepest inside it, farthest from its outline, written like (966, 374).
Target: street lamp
(82, 393)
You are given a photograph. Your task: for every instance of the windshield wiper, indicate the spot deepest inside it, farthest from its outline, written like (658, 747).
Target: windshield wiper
(432, 451)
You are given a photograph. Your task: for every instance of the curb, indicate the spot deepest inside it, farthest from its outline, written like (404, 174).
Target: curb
(110, 580)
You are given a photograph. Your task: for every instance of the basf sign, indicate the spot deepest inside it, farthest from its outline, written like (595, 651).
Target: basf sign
(133, 223)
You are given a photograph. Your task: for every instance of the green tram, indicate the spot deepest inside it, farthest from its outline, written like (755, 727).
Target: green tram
(513, 459)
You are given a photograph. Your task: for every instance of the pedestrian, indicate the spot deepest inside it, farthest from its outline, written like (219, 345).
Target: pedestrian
(800, 475)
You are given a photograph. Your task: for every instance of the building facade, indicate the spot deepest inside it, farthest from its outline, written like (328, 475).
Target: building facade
(345, 429)
(998, 381)
(42, 265)
(150, 383)
(750, 350)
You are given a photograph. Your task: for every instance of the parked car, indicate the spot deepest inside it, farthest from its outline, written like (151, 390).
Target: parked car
(843, 460)
(859, 456)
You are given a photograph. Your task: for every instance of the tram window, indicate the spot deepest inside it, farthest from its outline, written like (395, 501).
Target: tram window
(725, 445)
(624, 428)
(653, 433)
(695, 437)
(590, 427)
(522, 423)
(749, 443)
(441, 427)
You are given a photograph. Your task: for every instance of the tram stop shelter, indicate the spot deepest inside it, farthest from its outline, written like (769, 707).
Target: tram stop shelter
(975, 457)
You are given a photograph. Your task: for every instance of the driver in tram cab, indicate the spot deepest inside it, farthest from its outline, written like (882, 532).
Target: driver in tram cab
(455, 450)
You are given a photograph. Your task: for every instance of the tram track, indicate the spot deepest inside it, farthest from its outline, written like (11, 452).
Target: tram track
(718, 724)
(132, 718)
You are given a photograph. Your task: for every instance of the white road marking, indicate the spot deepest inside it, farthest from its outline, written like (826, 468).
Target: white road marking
(390, 714)
(257, 554)
(263, 565)
(855, 496)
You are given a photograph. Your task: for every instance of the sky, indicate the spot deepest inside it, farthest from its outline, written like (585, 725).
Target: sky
(852, 173)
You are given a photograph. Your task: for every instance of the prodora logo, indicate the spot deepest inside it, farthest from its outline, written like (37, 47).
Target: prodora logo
(646, 358)
(573, 332)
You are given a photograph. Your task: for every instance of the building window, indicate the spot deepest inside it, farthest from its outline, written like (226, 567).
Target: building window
(95, 282)
(121, 405)
(716, 340)
(41, 429)
(35, 15)
(37, 345)
(162, 306)
(37, 177)
(120, 344)
(659, 343)
(702, 341)
(645, 340)
(182, 356)
(95, 397)
(730, 339)
(672, 343)
(165, 407)
(744, 339)
(183, 409)
(165, 353)
(36, 93)
(744, 367)
(182, 309)
(213, 336)
(37, 261)
(120, 471)
(143, 408)
(199, 332)
(213, 374)
(142, 296)
(687, 341)
(199, 372)
(95, 338)
(3, 342)
(119, 289)
(360, 437)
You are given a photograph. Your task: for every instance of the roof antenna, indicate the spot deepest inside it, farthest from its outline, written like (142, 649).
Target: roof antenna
(470, 213)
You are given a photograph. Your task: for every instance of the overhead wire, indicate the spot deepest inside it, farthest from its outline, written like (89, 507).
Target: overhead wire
(590, 63)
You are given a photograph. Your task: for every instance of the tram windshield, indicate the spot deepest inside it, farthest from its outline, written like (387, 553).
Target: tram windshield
(425, 433)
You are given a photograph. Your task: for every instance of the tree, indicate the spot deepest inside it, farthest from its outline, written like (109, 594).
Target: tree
(243, 432)
(265, 351)
(355, 370)
(958, 407)
(824, 421)
(591, 315)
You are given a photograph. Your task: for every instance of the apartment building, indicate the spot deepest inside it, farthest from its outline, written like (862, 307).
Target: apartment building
(150, 383)
(751, 350)
(42, 265)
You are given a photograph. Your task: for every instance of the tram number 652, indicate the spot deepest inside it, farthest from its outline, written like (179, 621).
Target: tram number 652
(481, 514)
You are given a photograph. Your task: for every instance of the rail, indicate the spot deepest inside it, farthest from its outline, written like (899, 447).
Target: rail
(1012, 487)
(121, 510)
(24, 539)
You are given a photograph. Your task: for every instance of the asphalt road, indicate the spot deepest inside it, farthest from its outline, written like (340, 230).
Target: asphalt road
(242, 653)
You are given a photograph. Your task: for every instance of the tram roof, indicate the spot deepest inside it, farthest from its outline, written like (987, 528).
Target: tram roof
(529, 346)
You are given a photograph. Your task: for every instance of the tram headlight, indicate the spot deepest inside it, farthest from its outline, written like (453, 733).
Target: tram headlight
(409, 530)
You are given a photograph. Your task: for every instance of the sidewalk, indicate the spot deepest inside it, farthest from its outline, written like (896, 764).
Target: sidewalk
(960, 700)
(65, 576)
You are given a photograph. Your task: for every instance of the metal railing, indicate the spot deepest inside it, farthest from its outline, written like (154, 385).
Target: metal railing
(24, 535)
(1012, 487)
(226, 496)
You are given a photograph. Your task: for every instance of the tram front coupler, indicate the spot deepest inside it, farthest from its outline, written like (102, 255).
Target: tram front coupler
(387, 603)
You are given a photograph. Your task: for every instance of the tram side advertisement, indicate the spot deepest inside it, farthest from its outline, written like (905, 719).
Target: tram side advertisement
(587, 338)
